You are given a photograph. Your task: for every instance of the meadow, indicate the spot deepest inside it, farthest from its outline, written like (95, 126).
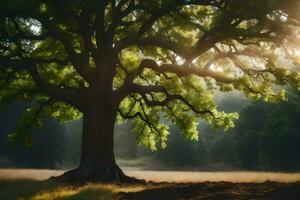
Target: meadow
(29, 184)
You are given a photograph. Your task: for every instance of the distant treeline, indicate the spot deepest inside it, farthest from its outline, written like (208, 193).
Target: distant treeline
(266, 137)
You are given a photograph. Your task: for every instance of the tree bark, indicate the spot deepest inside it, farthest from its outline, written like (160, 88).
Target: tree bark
(97, 152)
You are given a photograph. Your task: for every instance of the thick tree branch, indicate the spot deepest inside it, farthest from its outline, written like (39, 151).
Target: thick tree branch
(153, 18)
(100, 27)
(170, 98)
(185, 70)
(86, 31)
(143, 90)
(180, 70)
(179, 49)
(60, 94)
(77, 59)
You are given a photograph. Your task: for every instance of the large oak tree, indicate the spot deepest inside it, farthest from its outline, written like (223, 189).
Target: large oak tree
(152, 62)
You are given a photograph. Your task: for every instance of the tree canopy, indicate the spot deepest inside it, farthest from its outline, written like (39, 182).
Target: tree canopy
(159, 61)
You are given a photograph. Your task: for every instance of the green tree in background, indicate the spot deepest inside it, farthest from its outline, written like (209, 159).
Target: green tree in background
(274, 142)
(48, 143)
(144, 61)
(219, 145)
(182, 153)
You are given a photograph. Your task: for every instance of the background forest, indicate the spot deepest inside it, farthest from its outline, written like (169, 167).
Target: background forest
(266, 137)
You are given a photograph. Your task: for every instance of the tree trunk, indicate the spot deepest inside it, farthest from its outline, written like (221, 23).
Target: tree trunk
(97, 157)
(97, 152)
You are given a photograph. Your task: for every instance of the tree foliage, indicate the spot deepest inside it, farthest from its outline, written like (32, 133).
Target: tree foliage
(156, 61)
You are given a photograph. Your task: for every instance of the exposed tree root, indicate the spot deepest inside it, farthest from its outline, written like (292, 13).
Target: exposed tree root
(82, 175)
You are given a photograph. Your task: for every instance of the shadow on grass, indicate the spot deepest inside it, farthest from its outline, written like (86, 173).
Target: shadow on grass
(219, 191)
(14, 189)
(35, 190)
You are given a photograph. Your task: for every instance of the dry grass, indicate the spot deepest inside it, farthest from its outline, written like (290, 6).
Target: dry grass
(235, 177)
(35, 190)
(166, 176)
(24, 183)
(89, 191)
(32, 174)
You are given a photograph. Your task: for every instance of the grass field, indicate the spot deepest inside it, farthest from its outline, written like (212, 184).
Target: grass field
(35, 190)
(25, 184)
(165, 176)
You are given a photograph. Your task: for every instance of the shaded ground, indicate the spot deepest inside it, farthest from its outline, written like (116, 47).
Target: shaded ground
(220, 191)
(37, 190)
(13, 187)
(26, 189)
